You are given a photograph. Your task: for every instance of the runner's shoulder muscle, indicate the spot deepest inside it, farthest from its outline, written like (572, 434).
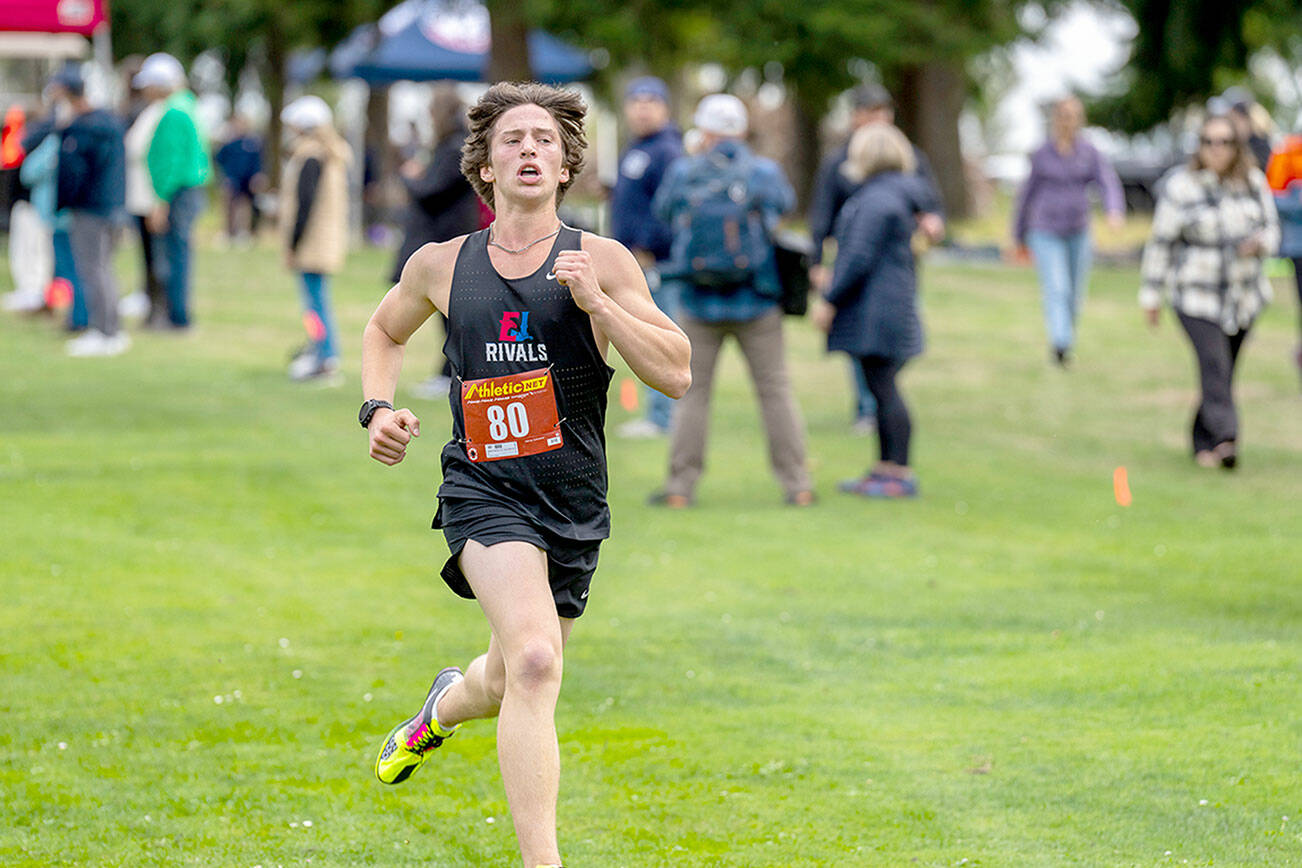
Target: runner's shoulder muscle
(428, 272)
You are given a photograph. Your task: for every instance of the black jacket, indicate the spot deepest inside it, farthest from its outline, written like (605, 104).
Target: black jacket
(443, 204)
(92, 165)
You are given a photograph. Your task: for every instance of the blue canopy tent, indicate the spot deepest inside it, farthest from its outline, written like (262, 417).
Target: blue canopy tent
(432, 40)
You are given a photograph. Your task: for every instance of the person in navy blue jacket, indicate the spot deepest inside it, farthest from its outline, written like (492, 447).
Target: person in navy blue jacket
(656, 142)
(870, 307)
(92, 188)
(870, 104)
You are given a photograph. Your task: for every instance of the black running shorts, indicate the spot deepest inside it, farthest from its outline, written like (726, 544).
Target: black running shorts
(570, 563)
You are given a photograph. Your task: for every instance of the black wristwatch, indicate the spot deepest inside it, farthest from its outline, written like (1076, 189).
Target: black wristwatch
(368, 410)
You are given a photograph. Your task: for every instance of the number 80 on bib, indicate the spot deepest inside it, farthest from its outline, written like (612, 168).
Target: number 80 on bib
(511, 416)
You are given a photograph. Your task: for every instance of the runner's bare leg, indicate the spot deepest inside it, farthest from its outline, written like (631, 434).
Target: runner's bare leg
(510, 581)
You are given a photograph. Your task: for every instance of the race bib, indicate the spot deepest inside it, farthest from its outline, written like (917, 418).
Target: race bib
(511, 416)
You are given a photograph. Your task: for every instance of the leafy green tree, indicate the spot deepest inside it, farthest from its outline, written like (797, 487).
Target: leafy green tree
(1186, 51)
(262, 32)
(920, 48)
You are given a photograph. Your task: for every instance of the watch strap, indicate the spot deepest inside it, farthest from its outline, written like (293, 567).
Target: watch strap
(368, 410)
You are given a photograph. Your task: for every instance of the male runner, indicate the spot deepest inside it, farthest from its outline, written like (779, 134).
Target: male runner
(532, 306)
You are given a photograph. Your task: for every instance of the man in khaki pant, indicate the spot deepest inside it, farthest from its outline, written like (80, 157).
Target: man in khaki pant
(722, 205)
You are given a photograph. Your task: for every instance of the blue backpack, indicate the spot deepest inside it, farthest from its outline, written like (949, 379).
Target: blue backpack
(725, 236)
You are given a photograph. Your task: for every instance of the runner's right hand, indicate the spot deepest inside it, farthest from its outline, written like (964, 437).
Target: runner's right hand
(391, 431)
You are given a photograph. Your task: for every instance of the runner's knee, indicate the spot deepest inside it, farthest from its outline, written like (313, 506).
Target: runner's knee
(536, 663)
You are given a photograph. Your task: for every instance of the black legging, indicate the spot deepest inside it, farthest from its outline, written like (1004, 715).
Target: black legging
(893, 426)
(1297, 275)
(1217, 420)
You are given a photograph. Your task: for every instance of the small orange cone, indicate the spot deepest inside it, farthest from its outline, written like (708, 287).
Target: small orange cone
(628, 395)
(1121, 486)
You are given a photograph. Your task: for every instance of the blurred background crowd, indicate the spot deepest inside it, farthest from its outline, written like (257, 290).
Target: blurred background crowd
(753, 158)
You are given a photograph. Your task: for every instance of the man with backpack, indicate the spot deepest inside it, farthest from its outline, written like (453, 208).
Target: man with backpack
(723, 205)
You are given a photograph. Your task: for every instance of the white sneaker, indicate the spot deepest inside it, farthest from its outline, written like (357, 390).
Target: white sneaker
(90, 343)
(864, 426)
(640, 429)
(308, 368)
(95, 343)
(432, 389)
(23, 302)
(117, 344)
(134, 306)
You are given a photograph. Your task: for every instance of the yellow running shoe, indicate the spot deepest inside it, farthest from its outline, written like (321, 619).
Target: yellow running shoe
(411, 741)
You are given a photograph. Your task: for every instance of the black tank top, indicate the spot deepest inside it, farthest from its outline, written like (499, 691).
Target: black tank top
(499, 327)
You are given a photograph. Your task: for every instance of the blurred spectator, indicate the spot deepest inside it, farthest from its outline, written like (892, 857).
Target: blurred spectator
(239, 160)
(92, 187)
(1053, 215)
(442, 205)
(1251, 121)
(178, 170)
(870, 308)
(314, 227)
(39, 175)
(11, 157)
(871, 104)
(1215, 223)
(655, 144)
(722, 206)
(149, 108)
(1285, 177)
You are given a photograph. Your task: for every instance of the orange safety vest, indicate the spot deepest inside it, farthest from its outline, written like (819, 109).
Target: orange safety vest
(11, 138)
(1285, 165)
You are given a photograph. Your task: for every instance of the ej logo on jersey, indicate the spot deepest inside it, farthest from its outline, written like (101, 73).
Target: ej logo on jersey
(514, 342)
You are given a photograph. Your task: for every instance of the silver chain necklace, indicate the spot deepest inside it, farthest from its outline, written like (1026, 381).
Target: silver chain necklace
(527, 246)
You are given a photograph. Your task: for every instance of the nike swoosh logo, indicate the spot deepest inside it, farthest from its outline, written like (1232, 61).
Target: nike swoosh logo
(551, 275)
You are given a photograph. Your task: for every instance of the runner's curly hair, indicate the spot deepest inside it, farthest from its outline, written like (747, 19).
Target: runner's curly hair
(565, 106)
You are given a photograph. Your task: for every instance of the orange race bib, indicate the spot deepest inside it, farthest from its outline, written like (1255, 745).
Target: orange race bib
(511, 416)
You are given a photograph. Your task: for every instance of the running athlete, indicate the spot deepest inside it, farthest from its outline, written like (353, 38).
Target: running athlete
(532, 306)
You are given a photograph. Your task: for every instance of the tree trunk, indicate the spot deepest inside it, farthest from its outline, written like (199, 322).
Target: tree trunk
(376, 145)
(930, 97)
(805, 152)
(277, 58)
(510, 49)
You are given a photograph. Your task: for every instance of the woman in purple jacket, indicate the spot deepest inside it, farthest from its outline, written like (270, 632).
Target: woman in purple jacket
(1053, 214)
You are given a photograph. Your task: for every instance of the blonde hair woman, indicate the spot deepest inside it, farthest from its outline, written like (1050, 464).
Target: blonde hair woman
(1215, 223)
(870, 308)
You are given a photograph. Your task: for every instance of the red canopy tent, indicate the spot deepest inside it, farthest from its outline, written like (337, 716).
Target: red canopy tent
(52, 16)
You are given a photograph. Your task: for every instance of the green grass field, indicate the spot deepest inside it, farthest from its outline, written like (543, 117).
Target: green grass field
(215, 605)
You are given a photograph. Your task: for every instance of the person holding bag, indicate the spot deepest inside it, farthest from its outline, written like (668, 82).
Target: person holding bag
(722, 205)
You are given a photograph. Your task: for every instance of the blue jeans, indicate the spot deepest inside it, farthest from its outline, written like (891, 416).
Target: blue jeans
(865, 405)
(659, 406)
(172, 258)
(1063, 263)
(316, 302)
(66, 267)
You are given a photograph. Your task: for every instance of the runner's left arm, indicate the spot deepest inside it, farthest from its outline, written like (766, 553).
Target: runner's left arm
(608, 284)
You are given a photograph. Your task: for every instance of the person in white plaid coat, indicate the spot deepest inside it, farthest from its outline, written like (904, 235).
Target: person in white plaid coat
(1214, 226)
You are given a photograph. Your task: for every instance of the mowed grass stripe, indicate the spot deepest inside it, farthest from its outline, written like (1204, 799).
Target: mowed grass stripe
(1012, 670)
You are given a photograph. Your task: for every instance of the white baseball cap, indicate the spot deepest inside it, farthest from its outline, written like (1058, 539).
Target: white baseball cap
(307, 113)
(721, 114)
(160, 70)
